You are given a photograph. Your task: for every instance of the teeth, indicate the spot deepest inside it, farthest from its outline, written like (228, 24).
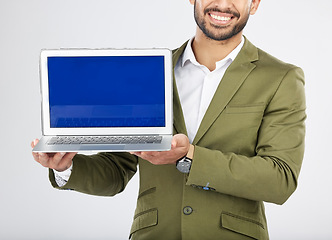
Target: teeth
(220, 18)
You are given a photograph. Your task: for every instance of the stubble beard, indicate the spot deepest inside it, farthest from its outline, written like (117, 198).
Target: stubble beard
(219, 33)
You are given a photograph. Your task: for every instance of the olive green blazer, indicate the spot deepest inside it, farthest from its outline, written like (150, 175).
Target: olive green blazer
(248, 149)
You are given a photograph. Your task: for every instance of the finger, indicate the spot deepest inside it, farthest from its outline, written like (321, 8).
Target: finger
(54, 161)
(69, 158)
(151, 154)
(35, 156)
(173, 143)
(43, 159)
(181, 140)
(141, 155)
(65, 162)
(145, 155)
(178, 140)
(57, 158)
(71, 155)
(135, 153)
(34, 143)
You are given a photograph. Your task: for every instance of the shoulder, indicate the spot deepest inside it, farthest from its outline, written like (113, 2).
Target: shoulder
(278, 69)
(269, 74)
(268, 67)
(269, 63)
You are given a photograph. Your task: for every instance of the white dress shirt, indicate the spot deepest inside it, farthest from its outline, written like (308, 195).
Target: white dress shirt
(61, 178)
(197, 85)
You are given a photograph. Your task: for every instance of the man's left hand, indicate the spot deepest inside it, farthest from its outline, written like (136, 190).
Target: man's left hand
(180, 147)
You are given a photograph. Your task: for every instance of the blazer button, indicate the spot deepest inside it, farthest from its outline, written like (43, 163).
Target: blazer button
(187, 210)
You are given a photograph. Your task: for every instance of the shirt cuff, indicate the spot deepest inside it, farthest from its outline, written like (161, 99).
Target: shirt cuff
(61, 178)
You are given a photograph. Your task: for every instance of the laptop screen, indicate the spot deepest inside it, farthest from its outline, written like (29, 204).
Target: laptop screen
(106, 91)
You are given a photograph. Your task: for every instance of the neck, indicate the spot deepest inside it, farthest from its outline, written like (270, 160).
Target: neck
(208, 51)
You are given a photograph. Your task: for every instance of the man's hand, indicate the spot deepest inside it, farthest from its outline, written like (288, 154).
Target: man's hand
(180, 147)
(57, 161)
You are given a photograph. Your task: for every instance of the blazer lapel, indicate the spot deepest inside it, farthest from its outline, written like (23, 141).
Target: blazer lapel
(233, 78)
(179, 123)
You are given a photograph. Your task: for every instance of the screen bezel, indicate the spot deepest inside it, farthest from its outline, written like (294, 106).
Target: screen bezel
(48, 130)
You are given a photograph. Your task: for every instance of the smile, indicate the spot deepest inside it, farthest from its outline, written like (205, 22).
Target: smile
(220, 18)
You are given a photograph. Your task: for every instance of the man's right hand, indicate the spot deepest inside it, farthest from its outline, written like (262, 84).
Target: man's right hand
(58, 161)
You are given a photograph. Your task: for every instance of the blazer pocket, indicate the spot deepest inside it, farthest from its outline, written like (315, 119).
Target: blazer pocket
(243, 225)
(144, 220)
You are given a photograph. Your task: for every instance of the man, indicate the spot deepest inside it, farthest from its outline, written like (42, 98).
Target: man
(238, 139)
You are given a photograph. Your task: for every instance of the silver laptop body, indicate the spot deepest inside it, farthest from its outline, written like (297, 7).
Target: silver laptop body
(106, 100)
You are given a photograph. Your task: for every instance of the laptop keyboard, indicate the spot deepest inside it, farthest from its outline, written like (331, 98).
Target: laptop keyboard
(104, 140)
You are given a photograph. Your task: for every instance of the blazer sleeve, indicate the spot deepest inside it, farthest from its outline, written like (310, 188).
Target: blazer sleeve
(271, 175)
(102, 174)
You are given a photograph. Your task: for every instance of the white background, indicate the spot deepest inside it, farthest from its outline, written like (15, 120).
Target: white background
(295, 31)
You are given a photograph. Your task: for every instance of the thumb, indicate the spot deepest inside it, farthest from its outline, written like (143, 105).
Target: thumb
(179, 140)
(173, 143)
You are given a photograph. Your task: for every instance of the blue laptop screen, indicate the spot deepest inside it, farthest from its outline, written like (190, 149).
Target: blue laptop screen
(106, 91)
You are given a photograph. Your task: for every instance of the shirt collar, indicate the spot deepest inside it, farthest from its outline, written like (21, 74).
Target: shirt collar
(188, 55)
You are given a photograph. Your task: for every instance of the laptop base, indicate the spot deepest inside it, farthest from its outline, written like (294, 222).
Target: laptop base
(43, 146)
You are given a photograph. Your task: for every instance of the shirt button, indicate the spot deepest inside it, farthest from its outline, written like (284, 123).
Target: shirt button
(187, 210)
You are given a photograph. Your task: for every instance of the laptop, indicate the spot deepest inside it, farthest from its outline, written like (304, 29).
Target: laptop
(107, 100)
